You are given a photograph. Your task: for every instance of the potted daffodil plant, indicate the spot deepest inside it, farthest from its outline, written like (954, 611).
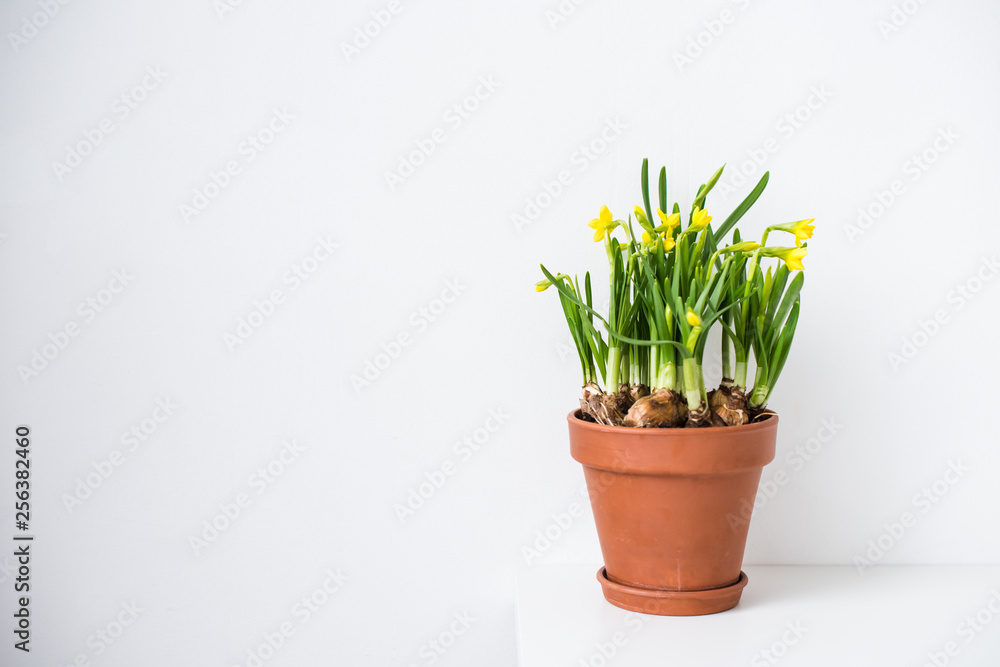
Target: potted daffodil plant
(668, 463)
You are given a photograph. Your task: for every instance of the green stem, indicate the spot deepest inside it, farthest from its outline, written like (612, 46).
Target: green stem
(740, 376)
(635, 376)
(614, 367)
(654, 365)
(727, 364)
(758, 397)
(667, 376)
(694, 383)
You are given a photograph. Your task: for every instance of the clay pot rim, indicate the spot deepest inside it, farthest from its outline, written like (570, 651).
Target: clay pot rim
(576, 422)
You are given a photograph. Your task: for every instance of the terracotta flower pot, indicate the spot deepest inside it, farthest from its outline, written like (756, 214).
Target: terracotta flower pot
(671, 508)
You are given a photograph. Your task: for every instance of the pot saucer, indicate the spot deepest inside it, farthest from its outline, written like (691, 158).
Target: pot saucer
(672, 603)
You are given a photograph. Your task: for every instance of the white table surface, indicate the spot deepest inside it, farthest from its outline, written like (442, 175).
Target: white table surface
(889, 616)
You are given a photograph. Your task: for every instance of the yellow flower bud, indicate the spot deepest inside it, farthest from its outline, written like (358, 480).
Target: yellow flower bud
(693, 318)
(640, 217)
(745, 246)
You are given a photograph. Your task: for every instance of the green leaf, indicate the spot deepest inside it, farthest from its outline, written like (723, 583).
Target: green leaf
(791, 297)
(663, 189)
(636, 341)
(783, 347)
(774, 292)
(645, 191)
(744, 206)
(699, 201)
(598, 347)
(575, 328)
(706, 325)
(737, 341)
(572, 297)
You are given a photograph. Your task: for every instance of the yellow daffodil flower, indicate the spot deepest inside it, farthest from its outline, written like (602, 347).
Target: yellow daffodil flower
(668, 222)
(793, 259)
(603, 224)
(791, 256)
(699, 220)
(802, 229)
(693, 318)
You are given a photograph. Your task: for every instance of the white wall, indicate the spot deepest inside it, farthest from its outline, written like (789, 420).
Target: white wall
(885, 99)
